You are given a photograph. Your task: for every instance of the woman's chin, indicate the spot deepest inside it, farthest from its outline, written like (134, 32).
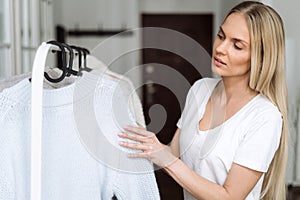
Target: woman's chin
(216, 70)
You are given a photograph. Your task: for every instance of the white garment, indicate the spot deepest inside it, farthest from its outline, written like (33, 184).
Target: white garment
(249, 138)
(9, 82)
(96, 65)
(70, 167)
(135, 102)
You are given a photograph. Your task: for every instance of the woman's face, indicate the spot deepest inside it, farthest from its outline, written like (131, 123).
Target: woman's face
(231, 49)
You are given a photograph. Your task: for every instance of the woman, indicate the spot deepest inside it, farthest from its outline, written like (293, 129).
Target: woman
(231, 141)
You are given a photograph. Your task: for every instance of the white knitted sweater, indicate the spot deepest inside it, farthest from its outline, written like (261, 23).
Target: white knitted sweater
(78, 163)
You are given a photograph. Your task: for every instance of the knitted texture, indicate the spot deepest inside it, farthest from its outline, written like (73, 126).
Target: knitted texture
(11, 81)
(70, 167)
(134, 101)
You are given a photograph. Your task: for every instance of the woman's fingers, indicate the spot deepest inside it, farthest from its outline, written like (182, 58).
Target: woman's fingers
(138, 130)
(131, 136)
(134, 137)
(148, 145)
(139, 155)
(136, 146)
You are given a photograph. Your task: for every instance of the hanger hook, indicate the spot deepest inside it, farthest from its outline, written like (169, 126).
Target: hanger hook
(78, 49)
(70, 66)
(64, 63)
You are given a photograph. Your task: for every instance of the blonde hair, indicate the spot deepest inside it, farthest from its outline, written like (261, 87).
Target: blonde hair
(267, 76)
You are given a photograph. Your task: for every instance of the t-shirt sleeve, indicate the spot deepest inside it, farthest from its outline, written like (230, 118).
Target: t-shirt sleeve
(190, 100)
(183, 114)
(260, 143)
(186, 106)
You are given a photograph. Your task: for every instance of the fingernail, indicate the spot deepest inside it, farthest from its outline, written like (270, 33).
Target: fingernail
(120, 134)
(127, 126)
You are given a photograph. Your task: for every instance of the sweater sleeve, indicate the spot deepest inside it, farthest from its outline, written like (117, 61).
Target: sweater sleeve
(5, 106)
(136, 105)
(134, 100)
(131, 178)
(138, 109)
(6, 191)
(136, 186)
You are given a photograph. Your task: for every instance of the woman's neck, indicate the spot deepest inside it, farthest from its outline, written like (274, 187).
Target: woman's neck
(235, 88)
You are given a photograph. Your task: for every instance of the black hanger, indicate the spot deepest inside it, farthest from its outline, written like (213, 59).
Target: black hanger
(64, 63)
(69, 69)
(114, 197)
(79, 51)
(83, 51)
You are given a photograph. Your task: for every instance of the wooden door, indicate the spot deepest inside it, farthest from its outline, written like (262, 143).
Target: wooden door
(157, 90)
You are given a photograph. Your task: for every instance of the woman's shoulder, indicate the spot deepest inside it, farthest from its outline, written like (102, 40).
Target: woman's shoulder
(265, 104)
(263, 108)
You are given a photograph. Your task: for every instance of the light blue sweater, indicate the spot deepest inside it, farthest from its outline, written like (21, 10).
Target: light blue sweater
(78, 162)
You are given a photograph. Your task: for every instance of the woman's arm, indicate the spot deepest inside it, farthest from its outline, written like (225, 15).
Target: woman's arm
(237, 186)
(239, 182)
(174, 146)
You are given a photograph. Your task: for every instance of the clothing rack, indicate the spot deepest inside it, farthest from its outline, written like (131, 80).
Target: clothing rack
(62, 33)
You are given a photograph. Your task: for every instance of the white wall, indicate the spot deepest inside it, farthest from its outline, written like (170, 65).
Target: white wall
(180, 6)
(116, 14)
(226, 5)
(5, 40)
(106, 15)
(94, 13)
(289, 11)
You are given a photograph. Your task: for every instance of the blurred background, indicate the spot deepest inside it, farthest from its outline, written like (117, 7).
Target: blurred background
(93, 24)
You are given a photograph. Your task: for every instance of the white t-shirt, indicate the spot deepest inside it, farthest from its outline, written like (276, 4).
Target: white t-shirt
(249, 138)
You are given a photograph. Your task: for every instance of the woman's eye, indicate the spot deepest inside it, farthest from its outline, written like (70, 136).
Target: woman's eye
(221, 37)
(237, 47)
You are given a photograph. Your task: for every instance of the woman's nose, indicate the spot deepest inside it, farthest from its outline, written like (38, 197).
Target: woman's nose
(222, 47)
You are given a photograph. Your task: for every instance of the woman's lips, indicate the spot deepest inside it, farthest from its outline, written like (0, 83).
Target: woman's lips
(218, 62)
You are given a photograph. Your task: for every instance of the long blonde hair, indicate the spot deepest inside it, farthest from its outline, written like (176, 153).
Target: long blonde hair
(267, 76)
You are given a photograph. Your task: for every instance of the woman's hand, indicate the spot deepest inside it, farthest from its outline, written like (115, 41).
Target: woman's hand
(150, 146)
